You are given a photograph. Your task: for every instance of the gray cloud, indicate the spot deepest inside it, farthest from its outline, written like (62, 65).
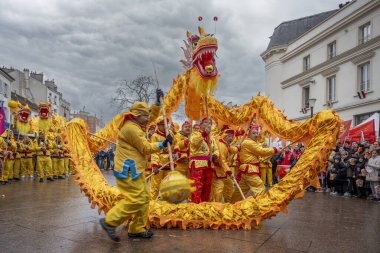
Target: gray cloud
(88, 46)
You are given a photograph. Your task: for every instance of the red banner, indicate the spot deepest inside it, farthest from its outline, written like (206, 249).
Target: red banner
(368, 130)
(344, 129)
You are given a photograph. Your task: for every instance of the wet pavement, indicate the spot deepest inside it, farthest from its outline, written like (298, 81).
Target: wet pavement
(56, 217)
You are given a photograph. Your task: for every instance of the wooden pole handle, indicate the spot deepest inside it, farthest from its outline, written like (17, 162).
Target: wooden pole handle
(167, 133)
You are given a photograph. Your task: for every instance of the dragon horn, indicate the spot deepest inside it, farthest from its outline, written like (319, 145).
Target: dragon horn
(188, 34)
(201, 31)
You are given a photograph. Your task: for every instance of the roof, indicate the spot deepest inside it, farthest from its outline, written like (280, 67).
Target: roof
(6, 75)
(290, 30)
(22, 100)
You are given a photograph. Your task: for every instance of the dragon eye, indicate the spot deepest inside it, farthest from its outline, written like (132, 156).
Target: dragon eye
(195, 44)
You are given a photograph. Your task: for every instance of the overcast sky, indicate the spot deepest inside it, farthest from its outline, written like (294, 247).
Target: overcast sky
(88, 46)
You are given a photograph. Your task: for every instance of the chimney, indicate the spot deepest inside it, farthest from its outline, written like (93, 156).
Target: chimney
(39, 76)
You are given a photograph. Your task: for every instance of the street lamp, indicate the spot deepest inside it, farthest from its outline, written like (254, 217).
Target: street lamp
(312, 104)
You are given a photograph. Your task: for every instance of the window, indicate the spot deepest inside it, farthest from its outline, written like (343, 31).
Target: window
(364, 76)
(331, 88)
(360, 118)
(331, 50)
(1, 87)
(305, 96)
(306, 63)
(365, 33)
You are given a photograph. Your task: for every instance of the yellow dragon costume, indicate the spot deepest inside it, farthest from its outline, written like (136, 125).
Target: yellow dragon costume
(195, 86)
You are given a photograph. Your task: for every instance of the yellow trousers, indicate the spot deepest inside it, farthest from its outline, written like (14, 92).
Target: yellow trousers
(66, 162)
(17, 168)
(44, 164)
(155, 182)
(134, 205)
(58, 166)
(27, 166)
(7, 170)
(266, 173)
(183, 168)
(222, 188)
(249, 182)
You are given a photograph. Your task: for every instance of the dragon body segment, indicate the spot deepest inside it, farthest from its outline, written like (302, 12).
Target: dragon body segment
(196, 86)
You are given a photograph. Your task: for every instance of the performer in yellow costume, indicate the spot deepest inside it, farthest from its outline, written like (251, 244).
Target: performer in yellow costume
(182, 140)
(66, 159)
(57, 158)
(265, 165)
(222, 184)
(8, 148)
(203, 152)
(158, 160)
(132, 150)
(26, 157)
(43, 148)
(250, 154)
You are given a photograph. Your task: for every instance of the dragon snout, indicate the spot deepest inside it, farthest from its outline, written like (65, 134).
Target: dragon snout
(209, 68)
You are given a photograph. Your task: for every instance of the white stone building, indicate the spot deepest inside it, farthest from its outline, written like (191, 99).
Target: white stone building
(33, 87)
(329, 56)
(5, 91)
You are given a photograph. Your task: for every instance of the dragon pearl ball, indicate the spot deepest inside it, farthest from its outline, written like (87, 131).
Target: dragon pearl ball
(176, 188)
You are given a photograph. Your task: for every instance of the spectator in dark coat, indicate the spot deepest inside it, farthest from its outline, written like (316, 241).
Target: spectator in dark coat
(340, 172)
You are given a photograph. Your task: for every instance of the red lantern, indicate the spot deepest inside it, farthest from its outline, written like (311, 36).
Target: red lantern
(200, 18)
(215, 18)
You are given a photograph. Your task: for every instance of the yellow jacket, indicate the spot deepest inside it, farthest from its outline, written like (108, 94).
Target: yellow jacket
(200, 151)
(222, 165)
(182, 143)
(18, 149)
(9, 149)
(132, 144)
(39, 144)
(161, 158)
(250, 154)
(57, 150)
(27, 149)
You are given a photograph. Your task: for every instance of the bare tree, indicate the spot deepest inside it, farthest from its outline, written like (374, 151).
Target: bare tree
(140, 89)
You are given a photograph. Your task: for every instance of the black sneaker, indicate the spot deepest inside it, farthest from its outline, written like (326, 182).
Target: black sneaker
(41, 180)
(55, 177)
(146, 234)
(50, 179)
(110, 230)
(61, 177)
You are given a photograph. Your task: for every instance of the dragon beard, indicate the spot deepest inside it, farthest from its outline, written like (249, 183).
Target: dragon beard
(44, 124)
(23, 127)
(199, 87)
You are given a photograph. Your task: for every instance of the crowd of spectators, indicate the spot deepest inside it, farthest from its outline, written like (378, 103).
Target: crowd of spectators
(105, 159)
(353, 171)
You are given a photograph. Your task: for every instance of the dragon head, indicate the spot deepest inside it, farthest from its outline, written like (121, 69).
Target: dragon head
(200, 53)
(44, 110)
(203, 55)
(24, 113)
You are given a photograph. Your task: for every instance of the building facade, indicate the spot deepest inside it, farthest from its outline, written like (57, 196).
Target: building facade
(94, 123)
(6, 82)
(33, 87)
(333, 57)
